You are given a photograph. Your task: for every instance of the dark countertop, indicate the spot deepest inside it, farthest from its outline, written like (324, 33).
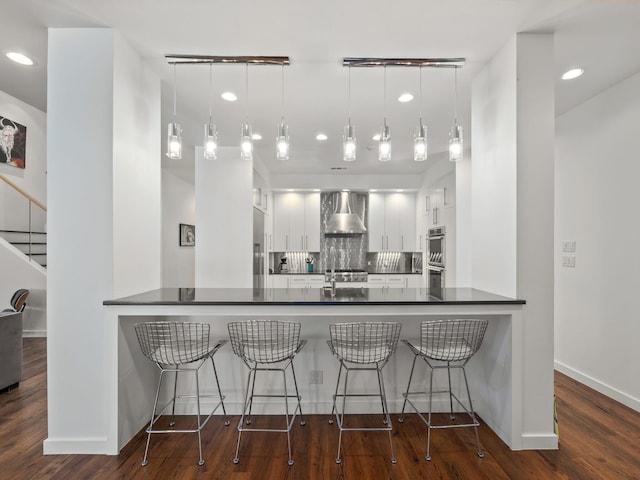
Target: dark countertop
(314, 296)
(322, 273)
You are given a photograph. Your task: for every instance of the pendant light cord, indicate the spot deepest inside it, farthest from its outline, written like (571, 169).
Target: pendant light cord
(349, 95)
(455, 103)
(282, 92)
(210, 92)
(174, 93)
(421, 106)
(384, 95)
(246, 90)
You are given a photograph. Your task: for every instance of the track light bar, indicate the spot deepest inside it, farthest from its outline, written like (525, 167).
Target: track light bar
(403, 62)
(179, 59)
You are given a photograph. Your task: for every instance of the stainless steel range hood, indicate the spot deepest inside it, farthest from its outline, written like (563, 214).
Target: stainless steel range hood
(343, 221)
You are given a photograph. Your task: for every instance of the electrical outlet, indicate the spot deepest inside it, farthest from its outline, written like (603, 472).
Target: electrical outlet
(569, 246)
(315, 377)
(568, 261)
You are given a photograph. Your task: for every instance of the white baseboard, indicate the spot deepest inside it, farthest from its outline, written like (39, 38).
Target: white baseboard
(539, 442)
(34, 334)
(66, 446)
(599, 386)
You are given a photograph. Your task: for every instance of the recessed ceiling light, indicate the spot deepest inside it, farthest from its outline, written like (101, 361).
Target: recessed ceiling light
(256, 136)
(229, 96)
(376, 137)
(19, 58)
(573, 73)
(405, 97)
(321, 136)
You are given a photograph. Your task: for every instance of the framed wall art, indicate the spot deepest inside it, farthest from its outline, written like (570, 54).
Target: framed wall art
(187, 235)
(13, 142)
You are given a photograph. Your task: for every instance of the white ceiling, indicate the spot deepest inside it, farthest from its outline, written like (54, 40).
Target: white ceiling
(600, 36)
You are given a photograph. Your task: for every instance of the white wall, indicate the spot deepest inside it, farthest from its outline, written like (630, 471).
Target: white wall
(14, 213)
(178, 206)
(224, 220)
(597, 172)
(512, 206)
(29, 275)
(493, 173)
(92, 222)
(136, 173)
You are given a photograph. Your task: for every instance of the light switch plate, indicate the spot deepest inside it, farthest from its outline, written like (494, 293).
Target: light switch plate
(568, 261)
(569, 246)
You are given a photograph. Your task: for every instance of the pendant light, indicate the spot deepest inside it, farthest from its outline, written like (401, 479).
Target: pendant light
(246, 140)
(455, 135)
(420, 137)
(174, 136)
(210, 133)
(282, 141)
(384, 146)
(349, 138)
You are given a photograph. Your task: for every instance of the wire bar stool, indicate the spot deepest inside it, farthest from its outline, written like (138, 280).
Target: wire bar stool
(267, 345)
(177, 347)
(362, 346)
(452, 343)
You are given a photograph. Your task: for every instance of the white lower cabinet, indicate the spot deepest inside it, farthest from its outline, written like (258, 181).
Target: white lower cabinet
(306, 281)
(393, 281)
(280, 281)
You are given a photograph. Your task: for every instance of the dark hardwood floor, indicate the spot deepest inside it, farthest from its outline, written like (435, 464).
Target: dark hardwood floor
(599, 439)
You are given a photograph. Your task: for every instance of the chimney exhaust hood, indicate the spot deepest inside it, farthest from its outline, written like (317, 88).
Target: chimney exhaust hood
(343, 221)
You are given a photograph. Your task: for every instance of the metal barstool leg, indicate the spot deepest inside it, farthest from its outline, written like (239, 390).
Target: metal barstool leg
(385, 411)
(236, 459)
(428, 456)
(175, 390)
(153, 415)
(253, 385)
(335, 394)
(472, 413)
(201, 461)
(224, 410)
(406, 395)
(451, 416)
(286, 414)
(340, 415)
(295, 384)
(385, 420)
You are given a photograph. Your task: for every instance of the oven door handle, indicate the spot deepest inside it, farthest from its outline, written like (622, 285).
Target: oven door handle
(435, 268)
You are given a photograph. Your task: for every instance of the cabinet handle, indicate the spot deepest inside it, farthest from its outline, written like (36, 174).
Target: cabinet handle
(382, 242)
(306, 242)
(444, 196)
(402, 242)
(286, 241)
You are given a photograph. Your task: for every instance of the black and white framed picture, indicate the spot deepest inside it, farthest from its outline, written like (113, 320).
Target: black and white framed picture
(187, 235)
(13, 142)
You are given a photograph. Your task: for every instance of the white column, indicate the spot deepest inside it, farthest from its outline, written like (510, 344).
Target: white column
(512, 206)
(104, 223)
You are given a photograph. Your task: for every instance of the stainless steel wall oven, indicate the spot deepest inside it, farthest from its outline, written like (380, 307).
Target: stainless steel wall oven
(436, 259)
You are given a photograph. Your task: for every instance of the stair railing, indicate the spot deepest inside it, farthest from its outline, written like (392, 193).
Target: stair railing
(13, 213)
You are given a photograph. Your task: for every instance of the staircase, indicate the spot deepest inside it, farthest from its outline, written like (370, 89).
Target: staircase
(32, 244)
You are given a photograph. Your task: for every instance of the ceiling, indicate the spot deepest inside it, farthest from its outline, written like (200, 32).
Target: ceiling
(595, 35)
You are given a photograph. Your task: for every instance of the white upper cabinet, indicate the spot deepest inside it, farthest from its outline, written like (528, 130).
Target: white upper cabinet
(296, 222)
(392, 222)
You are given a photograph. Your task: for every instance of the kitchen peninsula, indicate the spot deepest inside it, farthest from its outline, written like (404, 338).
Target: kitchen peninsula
(496, 373)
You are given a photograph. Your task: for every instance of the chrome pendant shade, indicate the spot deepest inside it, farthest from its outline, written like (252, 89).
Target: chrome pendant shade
(349, 137)
(384, 145)
(349, 143)
(420, 143)
(282, 142)
(174, 134)
(246, 142)
(174, 141)
(210, 132)
(456, 146)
